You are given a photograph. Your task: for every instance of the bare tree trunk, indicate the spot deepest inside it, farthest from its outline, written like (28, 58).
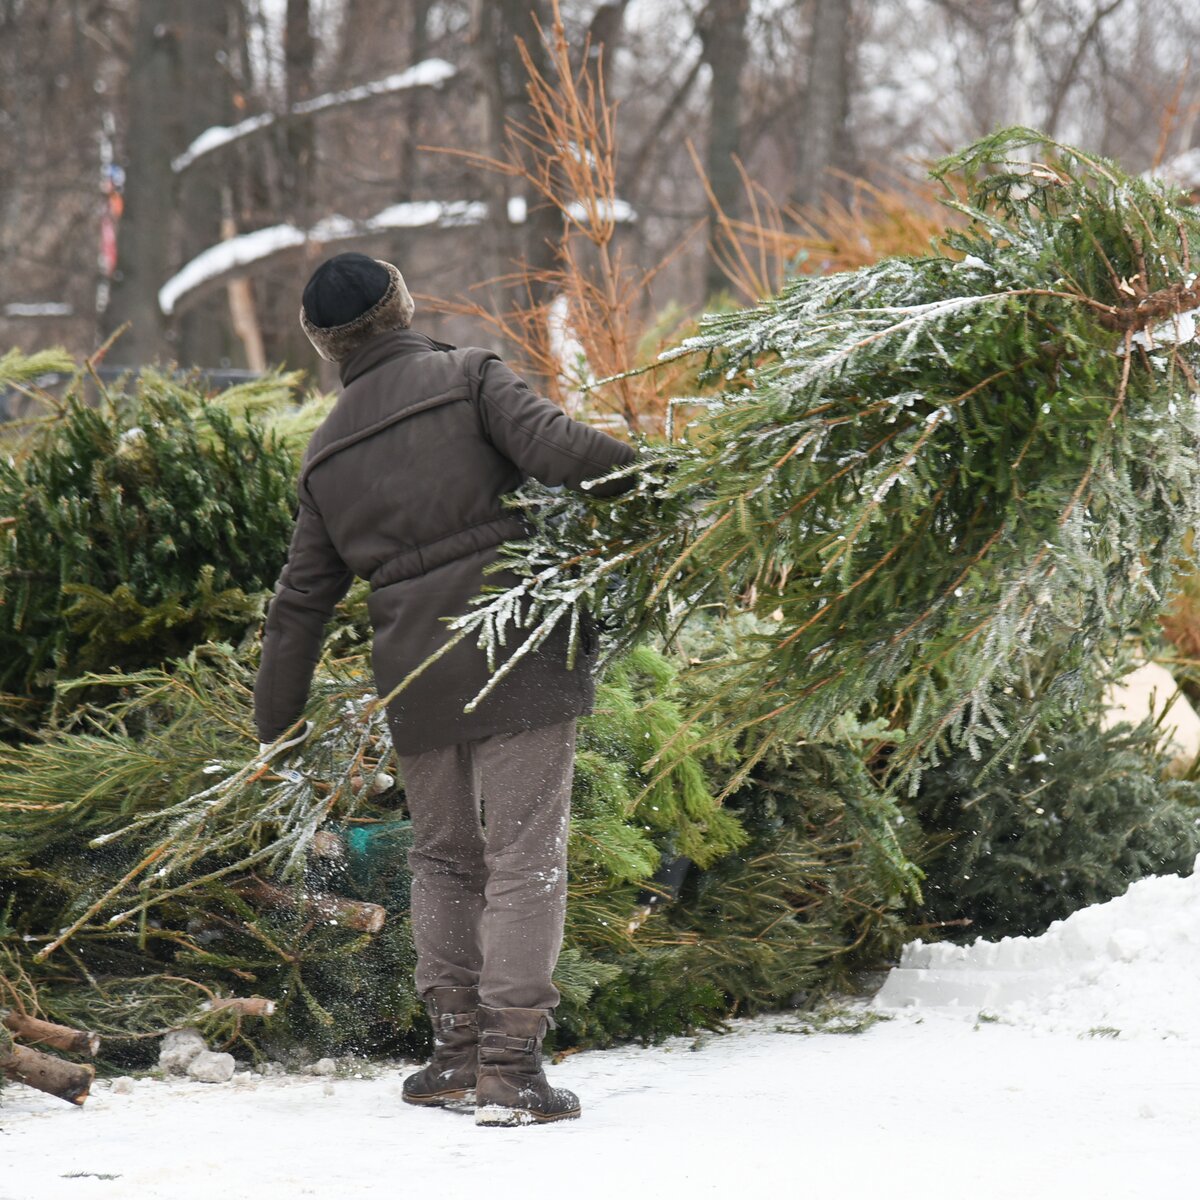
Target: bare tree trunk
(243, 312)
(404, 244)
(299, 50)
(503, 23)
(1024, 63)
(1065, 81)
(155, 85)
(530, 246)
(297, 155)
(823, 125)
(413, 102)
(726, 46)
(603, 37)
(205, 333)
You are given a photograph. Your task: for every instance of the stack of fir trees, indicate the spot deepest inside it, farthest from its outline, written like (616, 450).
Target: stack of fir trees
(154, 872)
(853, 619)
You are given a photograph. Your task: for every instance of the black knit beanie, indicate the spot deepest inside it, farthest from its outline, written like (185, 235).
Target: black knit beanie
(343, 287)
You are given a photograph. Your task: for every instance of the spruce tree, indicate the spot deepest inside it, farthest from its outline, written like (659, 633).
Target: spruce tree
(134, 527)
(134, 834)
(920, 475)
(1080, 814)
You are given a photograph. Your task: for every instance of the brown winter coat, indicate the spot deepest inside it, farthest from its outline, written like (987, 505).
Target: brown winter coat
(401, 485)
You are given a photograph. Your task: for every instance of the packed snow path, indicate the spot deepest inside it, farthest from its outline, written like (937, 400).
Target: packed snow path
(917, 1106)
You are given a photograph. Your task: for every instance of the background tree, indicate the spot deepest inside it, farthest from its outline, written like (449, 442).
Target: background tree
(723, 36)
(869, 88)
(823, 124)
(154, 133)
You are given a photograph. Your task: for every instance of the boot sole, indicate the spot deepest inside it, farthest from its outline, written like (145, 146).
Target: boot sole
(456, 1097)
(502, 1116)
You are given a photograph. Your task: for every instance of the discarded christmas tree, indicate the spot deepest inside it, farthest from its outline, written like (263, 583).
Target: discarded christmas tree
(156, 890)
(920, 475)
(1076, 817)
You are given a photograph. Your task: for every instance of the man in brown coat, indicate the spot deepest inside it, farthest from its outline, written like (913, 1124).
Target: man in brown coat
(402, 485)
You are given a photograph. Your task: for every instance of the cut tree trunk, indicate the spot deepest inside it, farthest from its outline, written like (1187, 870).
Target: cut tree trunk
(46, 1033)
(354, 914)
(67, 1080)
(244, 1006)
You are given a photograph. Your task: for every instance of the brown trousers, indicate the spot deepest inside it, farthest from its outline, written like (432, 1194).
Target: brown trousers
(489, 863)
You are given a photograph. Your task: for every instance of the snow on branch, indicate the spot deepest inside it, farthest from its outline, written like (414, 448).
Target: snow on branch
(246, 249)
(44, 308)
(433, 72)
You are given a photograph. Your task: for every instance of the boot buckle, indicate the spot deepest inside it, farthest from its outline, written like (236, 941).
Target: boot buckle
(499, 1042)
(447, 1021)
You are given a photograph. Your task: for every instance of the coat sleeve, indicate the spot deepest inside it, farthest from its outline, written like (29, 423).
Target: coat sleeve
(541, 439)
(313, 580)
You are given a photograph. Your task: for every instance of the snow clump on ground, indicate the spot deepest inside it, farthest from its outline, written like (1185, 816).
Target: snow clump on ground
(1129, 968)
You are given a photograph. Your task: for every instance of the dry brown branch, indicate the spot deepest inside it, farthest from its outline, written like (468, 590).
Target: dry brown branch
(565, 154)
(756, 253)
(1175, 117)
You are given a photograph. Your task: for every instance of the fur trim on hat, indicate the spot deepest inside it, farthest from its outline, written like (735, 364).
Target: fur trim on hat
(393, 310)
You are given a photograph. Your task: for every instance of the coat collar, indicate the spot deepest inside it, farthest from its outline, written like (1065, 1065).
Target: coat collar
(382, 348)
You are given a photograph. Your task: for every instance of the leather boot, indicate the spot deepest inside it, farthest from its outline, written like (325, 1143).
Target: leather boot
(450, 1074)
(512, 1088)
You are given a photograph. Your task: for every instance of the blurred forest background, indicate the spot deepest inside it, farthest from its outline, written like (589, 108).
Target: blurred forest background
(181, 166)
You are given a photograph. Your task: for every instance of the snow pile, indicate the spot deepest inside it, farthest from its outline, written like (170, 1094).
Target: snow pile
(1128, 968)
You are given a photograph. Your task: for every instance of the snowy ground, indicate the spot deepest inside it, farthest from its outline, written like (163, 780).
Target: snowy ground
(1063, 1067)
(931, 1108)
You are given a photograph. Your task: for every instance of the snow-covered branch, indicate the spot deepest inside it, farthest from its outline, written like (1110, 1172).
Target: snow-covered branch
(214, 264)
(232, 256)
(433, 72)
(43, 308)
